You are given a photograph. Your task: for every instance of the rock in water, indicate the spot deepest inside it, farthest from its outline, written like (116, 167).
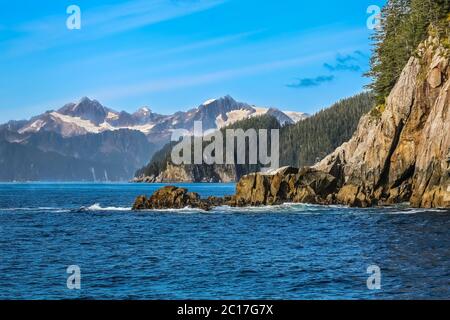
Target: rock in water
(285, 185)
(173, 198)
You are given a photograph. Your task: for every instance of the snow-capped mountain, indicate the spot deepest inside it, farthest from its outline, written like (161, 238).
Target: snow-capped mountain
(229, 111)
(89, 116)
(88, 141)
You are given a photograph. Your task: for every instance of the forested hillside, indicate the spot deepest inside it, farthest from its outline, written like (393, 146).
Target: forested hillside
(312, 139)
(404, 24)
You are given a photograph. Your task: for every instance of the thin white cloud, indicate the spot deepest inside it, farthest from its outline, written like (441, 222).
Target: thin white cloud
(150, 53)
(136, 14)
(102, 21)
(209, 43)
(275, 47)
(195, 80)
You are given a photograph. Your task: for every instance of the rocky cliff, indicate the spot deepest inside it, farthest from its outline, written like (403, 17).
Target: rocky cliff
(399, 153)
(401, 150)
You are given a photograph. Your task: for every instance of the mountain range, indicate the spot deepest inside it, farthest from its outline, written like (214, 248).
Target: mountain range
(87, 141)
(89, 116)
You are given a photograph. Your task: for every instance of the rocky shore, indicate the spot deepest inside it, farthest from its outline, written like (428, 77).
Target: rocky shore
(284, 185)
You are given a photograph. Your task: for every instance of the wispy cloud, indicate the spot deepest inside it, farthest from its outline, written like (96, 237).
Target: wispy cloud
(206, 78)
(136, 14)
(142, 52)
(102, 21)
(209, 43)
(310, 82)
(350, 62)
(342, 67)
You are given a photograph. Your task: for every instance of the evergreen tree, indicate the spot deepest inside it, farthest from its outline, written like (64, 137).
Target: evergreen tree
(404, 24)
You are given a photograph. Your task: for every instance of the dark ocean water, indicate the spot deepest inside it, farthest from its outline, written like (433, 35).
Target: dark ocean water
(284, 252)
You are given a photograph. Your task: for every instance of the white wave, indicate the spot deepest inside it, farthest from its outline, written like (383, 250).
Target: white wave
(291, 208)
(312, 209)
(183, 210)
(415, 211)
(98, 207)
(283, 208)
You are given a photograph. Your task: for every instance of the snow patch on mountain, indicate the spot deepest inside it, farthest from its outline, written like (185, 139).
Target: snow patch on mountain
(208, 102)
(296, 116)
(105, 126)
(146, 128)
(232, 117)
(33, 127)
(112, 116)
(87, 125)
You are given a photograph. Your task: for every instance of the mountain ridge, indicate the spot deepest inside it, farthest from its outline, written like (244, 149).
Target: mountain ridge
(90, 116)
(103, 139)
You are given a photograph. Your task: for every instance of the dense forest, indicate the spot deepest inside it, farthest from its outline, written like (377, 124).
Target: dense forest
(404, 24)
(312, 139)
(301, 144)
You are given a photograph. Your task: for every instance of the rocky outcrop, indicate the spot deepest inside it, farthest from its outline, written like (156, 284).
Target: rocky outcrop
(284, 185)
(400, 152)
(176, 198)
(174, 173)
(192, 174)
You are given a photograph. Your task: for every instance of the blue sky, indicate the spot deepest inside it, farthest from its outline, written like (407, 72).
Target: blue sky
(172, 55)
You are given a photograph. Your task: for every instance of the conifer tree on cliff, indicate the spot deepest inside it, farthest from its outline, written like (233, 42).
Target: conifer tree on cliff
(404, 24)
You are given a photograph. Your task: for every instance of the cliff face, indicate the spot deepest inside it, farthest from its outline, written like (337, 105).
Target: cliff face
(401, 151)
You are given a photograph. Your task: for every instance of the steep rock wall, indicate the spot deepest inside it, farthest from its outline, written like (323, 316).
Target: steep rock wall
(401, 151)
